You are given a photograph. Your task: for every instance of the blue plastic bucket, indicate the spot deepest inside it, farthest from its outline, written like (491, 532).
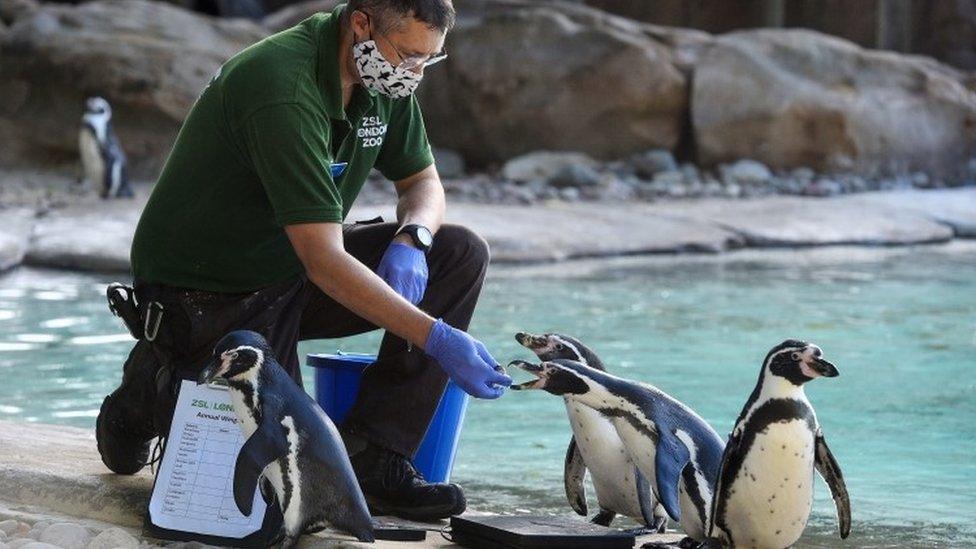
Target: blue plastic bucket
(337, 379)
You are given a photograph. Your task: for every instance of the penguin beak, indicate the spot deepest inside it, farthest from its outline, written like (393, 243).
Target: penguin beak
(534, 369)
(530, 341)
(211, 371)
(823, 367)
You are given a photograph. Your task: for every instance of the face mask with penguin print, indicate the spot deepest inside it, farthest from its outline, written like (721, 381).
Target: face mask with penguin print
(380, 75)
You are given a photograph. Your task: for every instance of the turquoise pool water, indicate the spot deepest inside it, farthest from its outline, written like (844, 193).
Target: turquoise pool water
(901, 418)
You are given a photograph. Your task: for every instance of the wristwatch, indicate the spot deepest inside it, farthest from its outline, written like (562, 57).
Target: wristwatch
(422, 237)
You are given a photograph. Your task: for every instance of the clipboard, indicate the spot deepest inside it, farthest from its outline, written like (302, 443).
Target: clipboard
(193, 492)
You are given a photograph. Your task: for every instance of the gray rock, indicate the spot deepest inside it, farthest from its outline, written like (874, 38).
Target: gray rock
(803, 174)
(150, 60)
(670, 178)
(449, 162)
(91, 239)
(921, 180)
(66, 535)
(15, 230)
(823, 187)
(746, 172)
(575, 175)
(3, 536)
(113, 538)
(569, 194)
(499, 94)
(8, 527)
(543, 165)
(12, 10)
(809, 99)
(294, 14)
(20, 543)
(691, 174)
(39, 545)
(649, 163)
(733, 190)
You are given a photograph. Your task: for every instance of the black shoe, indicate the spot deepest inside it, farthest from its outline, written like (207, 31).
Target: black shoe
(393, 486)
(124, 427)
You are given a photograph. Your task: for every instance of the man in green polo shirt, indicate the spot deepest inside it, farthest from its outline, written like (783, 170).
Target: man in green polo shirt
(245, 230)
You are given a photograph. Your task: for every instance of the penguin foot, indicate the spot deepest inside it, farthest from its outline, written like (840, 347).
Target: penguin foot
(685, 543)
(660, 524)
(289, 542)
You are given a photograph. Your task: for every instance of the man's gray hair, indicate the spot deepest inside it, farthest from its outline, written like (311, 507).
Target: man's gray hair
(388, 15)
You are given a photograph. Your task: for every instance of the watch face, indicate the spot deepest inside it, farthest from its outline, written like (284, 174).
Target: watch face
(424, 236)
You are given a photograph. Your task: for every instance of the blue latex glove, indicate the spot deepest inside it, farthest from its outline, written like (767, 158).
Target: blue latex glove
(467, 361)
(404, 268)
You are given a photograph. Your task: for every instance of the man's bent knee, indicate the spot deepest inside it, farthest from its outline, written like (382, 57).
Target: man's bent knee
(461, 243)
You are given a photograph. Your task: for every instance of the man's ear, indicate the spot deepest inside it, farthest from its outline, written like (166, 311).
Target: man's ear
(359, 23)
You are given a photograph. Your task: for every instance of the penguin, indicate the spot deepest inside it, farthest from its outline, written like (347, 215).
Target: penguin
(292, 446)
(765, 489)
(620, 486)
(101, 153)
(676, 450)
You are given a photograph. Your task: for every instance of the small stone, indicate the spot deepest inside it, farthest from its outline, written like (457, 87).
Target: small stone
(920, 180)
(691, 174)
(746, 172)
(542, 165)
(67, 535)
(803, 173)
(647, 164)
(8, 526)
(670, 177)
(3, 536)
(450, 163)
(575, 175)
(823, 187)
(569, 194)
(113, 538)
(733, 190)
(39, 545)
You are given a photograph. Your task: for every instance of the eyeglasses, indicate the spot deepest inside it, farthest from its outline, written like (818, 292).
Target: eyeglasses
(409, 62)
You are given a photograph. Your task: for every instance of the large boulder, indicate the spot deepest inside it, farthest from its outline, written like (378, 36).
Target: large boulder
(799, 98)
(149, 59)
(529, 75)
(292, 15)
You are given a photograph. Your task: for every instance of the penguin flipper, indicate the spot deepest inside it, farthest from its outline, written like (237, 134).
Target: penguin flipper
(725, 477)
(644, 499)
(672, 456)
(574, 470)
(267, 444)
(829, 469)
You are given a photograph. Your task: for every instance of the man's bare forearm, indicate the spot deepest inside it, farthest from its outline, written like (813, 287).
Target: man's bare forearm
(343, 278)
(421, 200)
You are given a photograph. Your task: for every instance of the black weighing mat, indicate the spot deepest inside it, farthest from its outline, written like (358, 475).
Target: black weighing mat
(535, 531)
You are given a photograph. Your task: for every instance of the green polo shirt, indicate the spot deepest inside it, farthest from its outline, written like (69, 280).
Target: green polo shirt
(254, 155)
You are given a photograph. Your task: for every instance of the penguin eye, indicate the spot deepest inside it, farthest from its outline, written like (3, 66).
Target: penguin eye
(560, 346)
(795, 356)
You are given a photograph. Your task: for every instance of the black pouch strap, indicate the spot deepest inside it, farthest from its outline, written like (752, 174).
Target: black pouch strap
(122, 303)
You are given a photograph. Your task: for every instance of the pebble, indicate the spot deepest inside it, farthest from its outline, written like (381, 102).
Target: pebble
(66, 535)
(746, 172)
(38, 545)
(649, 163)
(575, 175)
(8, 527)
(113, 538)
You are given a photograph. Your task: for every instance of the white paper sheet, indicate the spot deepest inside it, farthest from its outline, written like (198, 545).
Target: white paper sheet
(194, 489)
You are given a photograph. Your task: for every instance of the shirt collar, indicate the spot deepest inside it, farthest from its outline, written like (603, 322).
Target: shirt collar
(328, 73)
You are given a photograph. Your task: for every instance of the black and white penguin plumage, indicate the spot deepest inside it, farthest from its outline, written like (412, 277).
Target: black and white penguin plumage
(292, 445)
(102, 157)
(676, 450)
(595, 446)
(765, 489)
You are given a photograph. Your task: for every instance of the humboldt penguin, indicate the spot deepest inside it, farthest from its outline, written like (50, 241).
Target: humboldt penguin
(675, 449)
(291, 445)
(595, 446)
(765, 488)
(101, 153)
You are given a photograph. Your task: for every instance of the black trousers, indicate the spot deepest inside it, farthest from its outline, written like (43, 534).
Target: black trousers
(399, 392)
